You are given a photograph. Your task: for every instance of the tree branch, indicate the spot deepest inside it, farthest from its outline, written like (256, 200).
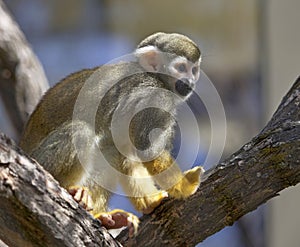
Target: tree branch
(22, 79)
(35, 211)
(266, 165)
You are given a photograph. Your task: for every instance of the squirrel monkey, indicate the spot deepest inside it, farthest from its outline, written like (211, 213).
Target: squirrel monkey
(166, 65)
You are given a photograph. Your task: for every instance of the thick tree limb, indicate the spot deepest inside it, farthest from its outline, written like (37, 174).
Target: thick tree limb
(266, 165)
(22, 79)
(35, 211)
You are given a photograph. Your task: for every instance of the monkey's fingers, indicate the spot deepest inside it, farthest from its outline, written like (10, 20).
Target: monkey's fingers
(82, 196)
(119, 218)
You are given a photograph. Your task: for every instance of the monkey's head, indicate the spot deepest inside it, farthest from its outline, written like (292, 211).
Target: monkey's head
(175, 57)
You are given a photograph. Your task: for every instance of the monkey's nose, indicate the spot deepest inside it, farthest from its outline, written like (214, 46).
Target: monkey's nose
(183, 86)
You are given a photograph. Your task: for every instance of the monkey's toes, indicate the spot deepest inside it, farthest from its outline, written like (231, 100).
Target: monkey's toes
(119, 218)
(82, 196)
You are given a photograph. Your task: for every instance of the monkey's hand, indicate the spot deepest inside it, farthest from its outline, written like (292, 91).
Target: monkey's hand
(82, 196)
(118, 218)
(188, 184)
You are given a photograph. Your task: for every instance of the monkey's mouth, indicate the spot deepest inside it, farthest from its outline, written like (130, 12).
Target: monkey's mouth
(183, 87)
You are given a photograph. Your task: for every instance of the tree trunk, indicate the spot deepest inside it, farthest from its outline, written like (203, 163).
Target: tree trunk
(22, 79)
(35, 211)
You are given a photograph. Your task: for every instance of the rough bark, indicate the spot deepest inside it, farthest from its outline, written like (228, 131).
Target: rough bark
(266, 165)
(22, 79)
(35, 211)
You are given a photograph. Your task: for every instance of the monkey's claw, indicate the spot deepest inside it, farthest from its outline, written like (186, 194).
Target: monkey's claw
(82, 196)
(119, 218)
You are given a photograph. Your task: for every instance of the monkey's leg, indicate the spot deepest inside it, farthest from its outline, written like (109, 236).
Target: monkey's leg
(114, 219)
(169, 176)
(68, 154)
(58, 153)
(140, 187)
(59, 156)
(99, 197)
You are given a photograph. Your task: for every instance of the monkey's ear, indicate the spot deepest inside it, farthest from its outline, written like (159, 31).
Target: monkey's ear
(149, 58)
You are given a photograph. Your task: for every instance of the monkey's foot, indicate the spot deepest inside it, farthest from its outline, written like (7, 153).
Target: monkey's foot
(82, 196)
(148, 203)
(189, 183)
(118, 218)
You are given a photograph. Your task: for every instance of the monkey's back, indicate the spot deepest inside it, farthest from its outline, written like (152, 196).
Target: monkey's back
(54, 108)
(57, 105)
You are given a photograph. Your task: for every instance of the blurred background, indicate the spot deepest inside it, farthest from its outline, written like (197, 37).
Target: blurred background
(250, 51)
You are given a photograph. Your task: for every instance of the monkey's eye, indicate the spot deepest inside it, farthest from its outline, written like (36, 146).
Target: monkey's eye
(181, 68)
(195, 70)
